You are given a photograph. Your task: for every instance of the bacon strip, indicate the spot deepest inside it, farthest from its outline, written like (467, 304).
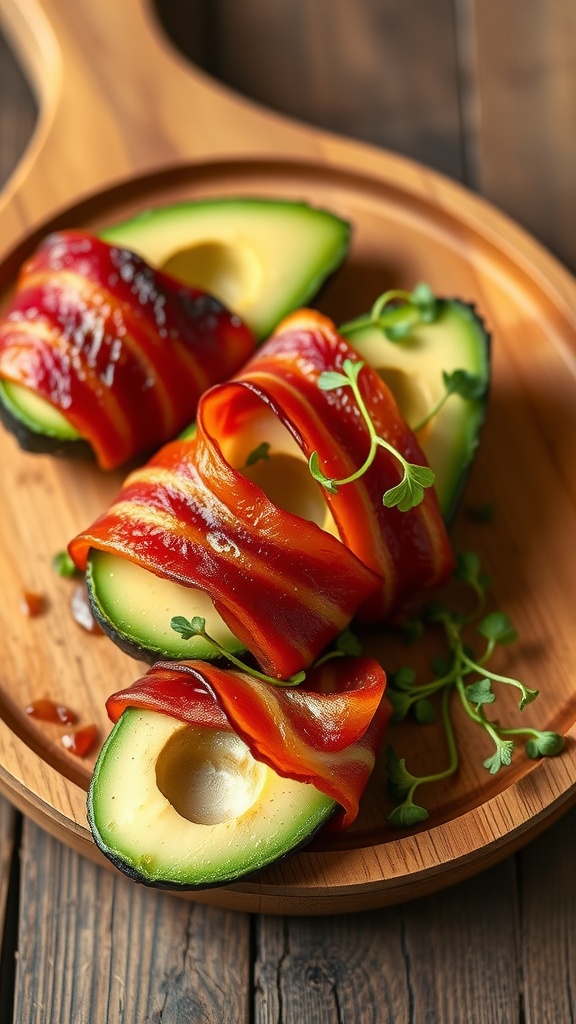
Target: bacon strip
(283, 585)
(122, 350)
(410, 551)
(327, 734)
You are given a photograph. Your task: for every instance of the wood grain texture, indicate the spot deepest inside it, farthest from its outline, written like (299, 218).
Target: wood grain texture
(95, 948)
(375, 70)
(547, 925)
(418, 962)
(7, 832)
(526, 100)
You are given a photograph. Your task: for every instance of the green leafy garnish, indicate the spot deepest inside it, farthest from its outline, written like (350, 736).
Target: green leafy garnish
(196, 626)
(349, 644)
(459, 382)
(464, 674)
(397, 312)
(64, 566)
(405, 495)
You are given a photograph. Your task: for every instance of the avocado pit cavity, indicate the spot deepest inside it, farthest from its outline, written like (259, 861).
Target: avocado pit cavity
(208, 776)
(230, 271)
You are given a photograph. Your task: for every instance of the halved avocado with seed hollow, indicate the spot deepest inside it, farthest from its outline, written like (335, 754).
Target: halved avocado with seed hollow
(414, 366)
(260, 257)
(199, 810)
(135, 607)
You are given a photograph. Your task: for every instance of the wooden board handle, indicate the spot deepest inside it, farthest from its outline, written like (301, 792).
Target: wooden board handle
(115, 100)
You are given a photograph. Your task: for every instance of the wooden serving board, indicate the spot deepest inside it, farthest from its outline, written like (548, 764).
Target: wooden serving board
(125, 128)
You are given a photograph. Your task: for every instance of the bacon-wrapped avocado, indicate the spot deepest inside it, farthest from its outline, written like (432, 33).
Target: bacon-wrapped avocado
(100, 351)
(210, 774)
(286, 563)
(109, 341)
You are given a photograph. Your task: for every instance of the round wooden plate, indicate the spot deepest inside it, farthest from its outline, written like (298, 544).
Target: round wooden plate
(409, 224)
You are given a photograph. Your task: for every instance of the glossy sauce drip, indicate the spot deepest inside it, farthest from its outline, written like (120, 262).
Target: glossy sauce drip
(78, 741)
(32, 604)
(49, 711)
(81, 740)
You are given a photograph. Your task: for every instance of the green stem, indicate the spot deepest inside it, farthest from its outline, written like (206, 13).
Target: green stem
(522, 731)
(433, 412)
(452, 751)
(294, 680)
(476, 667)
(328, 657)
(373, 317)
(375, 442)
(494, 731)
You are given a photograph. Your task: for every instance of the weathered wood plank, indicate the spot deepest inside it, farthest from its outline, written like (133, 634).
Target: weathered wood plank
(548, 925)
(7, 831)
(375, 70)
(526, 97)
(95, 947)
(424, 961)
(9, 822)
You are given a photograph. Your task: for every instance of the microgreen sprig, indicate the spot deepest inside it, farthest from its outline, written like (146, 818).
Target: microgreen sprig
(196, 626)
(459, 382)
(405, 495)
(397, 312)
(463, 674)
(64, 566)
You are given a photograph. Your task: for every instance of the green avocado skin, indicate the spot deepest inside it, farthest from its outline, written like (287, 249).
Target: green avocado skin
(31, 438)
(321, 237)
(154, 846)
(456, 339)
(469, 349)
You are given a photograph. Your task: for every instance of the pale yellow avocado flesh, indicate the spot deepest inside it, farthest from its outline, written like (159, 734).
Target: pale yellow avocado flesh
(33, 410)
(199, 810)
(413, 368)
(260, 257)
(139, 605)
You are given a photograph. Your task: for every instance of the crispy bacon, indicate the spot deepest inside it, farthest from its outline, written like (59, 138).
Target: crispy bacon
(409, 550)
(326, 734)
(122, 350)
(282, 584)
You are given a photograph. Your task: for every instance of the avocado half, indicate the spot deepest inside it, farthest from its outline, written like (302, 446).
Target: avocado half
(260, 257)
(200, 810)
(413, 368)
(134, 607)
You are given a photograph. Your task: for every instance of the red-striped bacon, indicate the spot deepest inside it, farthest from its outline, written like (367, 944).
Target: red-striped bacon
(283, 586)
(410, 550)
(326, 734)
(122, 350)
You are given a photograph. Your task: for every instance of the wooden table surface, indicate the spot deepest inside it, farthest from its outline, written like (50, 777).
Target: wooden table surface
(484, 91)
